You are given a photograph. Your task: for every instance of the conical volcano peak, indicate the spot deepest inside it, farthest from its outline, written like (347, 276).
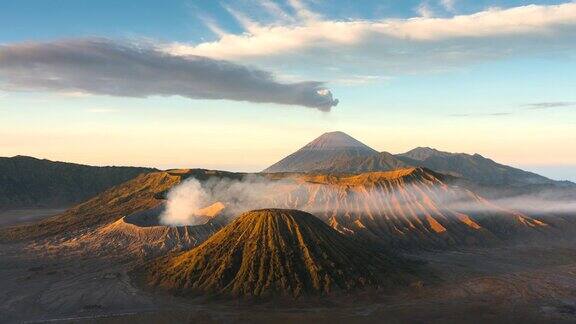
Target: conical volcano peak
(335, 140)
(323, 153)
(281, 252)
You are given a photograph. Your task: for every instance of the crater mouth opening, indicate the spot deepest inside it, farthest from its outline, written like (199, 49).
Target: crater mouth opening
(151, 217)
(146, 218)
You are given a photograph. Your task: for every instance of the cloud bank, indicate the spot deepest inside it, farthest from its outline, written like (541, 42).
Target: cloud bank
(105, 67)
(394, 46)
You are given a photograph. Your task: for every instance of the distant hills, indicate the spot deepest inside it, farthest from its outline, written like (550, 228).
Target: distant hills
(276, 252)
(135, 195)
(337, 152)
(475, 167)
(30, 182)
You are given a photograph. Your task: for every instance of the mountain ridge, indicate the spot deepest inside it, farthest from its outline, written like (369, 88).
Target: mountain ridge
(474, 167)
(30, 182)
(337, 152)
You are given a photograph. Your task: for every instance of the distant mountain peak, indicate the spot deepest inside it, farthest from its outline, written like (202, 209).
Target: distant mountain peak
(323, 153)
(335, 140)
(423, 152)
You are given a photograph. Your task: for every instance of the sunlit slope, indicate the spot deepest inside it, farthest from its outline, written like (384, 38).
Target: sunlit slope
(140, 234)
(409, 207)
(276, 252)
(145, 192)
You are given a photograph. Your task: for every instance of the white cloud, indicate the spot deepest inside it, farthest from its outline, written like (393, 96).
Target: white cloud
(448, 5)
(396, 45)
(424, 10)
(276, 12)
(302, 11)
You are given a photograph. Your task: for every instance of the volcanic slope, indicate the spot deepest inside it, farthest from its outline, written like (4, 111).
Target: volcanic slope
(143, 193)
(276, 252)
(410, 207)
(382, 161)
(142, 235)
(322, 154)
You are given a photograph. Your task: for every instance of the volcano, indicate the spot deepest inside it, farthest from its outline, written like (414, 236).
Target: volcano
(323, 153)
(276, 252)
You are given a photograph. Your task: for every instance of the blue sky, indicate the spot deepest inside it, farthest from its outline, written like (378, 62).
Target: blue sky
(498, 80)
(24, 20)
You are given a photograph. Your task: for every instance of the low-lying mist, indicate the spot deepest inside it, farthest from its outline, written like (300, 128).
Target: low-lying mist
(409, 200)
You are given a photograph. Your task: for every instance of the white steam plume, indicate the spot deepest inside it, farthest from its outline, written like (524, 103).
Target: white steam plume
(325, 200)
(184, 201)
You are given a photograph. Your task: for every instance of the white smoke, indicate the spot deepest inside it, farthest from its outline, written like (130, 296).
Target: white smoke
(252, 192)
(256, 192)
(184, 201)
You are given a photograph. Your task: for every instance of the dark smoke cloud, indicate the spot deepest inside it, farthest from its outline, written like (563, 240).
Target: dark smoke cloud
(101, 66)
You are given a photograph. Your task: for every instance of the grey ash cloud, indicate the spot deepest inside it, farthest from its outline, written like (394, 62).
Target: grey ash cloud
(106, 67)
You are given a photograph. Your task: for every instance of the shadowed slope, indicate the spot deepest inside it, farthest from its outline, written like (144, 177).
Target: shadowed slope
(275, 252)
(30, 182)
(132, 196)
(475, 167)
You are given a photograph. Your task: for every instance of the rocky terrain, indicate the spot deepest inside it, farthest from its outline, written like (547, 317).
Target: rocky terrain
(530, 283)
(409, 208)
(276, 252)
(348, 244)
